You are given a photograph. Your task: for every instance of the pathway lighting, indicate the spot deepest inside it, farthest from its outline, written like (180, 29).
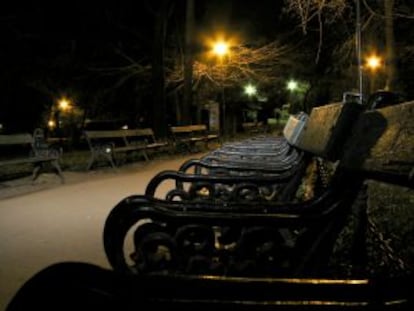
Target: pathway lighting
(64, 104)
(220, 48)
(250, 90)
(373, 62)
(51, 124)
(292, 85)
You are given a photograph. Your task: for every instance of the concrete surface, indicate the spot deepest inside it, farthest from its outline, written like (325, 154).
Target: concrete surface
(48, 222)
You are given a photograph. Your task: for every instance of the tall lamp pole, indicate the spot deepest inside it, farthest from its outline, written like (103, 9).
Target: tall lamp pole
(358, 48)
(221, 49)
(188, 64)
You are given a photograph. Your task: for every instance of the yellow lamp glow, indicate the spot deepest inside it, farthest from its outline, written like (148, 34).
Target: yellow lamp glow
(64, 104)
(51, 124)
(220, 48)
(373, 62)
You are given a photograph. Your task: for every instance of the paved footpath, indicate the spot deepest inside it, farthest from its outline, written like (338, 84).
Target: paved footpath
(65, 222)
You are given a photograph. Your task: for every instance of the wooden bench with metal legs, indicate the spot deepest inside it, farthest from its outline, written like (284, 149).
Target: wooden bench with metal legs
(107, 145)
(187, 136)
(33, 153)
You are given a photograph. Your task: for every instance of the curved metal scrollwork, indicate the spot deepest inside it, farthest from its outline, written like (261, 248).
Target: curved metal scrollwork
(184, 237)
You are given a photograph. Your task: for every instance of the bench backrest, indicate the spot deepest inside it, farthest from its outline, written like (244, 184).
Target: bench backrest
(22, 143)
(104, 134)
(250, 125)
(121, 138)
(382, 145)
(188, 128)
(327, 128)
(377, 143)
(16, 139)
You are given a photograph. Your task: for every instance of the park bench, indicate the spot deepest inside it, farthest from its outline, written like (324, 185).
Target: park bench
(192, 256)
(227, 181)
(108, 144)
(241, 156)
(187, 136)
(24, 148)
(253, 127)
(267, 155)
(271, 154)
(247, 190)
(271, 169)
(239, 251)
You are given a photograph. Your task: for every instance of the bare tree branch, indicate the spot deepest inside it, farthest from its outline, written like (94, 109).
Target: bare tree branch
(262, 64)
(325, 11)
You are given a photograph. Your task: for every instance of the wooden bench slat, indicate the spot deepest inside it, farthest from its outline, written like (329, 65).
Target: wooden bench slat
(327, 128)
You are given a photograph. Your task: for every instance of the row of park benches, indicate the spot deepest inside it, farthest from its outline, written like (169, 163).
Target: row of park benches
(232, 232)
(106, 145)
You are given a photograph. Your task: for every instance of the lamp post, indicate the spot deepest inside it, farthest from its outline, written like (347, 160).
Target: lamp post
(358, 43)
(220, 48)
(250, 90)
(64, 105)
(292, 85)
(373, 63)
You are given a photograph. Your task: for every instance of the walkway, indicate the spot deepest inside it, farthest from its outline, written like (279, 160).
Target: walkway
(64, 222)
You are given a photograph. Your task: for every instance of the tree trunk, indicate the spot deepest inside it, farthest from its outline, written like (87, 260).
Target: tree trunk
(188, 63)
(390, 45)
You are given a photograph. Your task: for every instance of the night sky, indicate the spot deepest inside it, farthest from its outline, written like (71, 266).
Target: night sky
(52, 48)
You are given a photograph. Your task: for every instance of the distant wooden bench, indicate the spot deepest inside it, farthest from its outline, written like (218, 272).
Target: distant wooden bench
(29, 151)
(106, 144)
(189, 135)
(253, 127)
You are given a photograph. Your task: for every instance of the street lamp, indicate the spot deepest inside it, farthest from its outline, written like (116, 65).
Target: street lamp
(292, 85)
(220, 49)
(64, 104)
(296, 91)
(63, 108)
(250, 90)
(373, 63)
